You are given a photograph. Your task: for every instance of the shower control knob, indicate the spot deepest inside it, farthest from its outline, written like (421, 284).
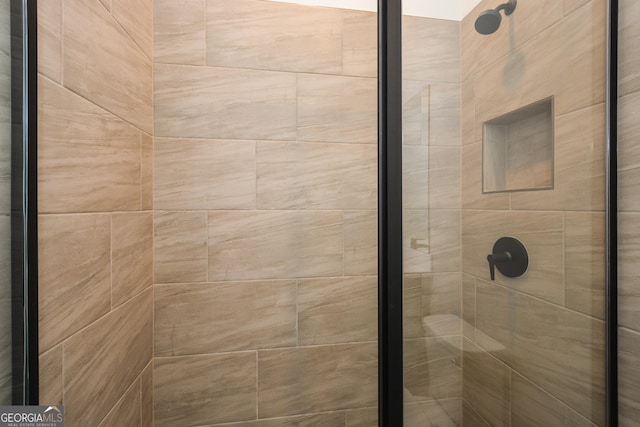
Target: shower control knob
(509, 256)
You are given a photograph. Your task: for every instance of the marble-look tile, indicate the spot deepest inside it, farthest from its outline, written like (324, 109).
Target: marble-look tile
(469, 307)
(245, 316)
(439, 412)
(359, 43)
(629, 376)
(274, 244)
(629, 37)
(441, 304)
(360, 242)
(584, 262)
(480, 51)
(180, 247)
(337, 109)
(542, 233)
(136, 18)
(486, 385)
(531, 407)
(330, 419)
(317, 379)
(432, 368)
(471, 418)
(206, 389)
(146, 172)
(274, 36)
(563, 351)
(341, 310)
(366, 417)
(50, 39)
(107, 68)
(206, 102)
(204, 174)
(131, 255)
(146, 399)
(628, 152)
(126, 412)
(629, 270)
(101, 361)
(579, 178)
(292, 175)
(74, 274)
(431, 49)
(472, 180)
(88, 159)
(179, 32)
(50, 376)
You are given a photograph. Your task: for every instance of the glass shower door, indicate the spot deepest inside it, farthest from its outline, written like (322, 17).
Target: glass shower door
(504, 136)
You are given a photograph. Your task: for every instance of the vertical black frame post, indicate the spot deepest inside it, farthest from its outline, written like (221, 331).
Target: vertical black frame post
(612, 216)
(390, 337)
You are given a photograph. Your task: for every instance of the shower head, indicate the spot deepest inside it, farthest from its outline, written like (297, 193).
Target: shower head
(489, 20)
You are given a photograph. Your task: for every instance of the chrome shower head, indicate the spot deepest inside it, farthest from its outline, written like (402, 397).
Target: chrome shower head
(489, 20)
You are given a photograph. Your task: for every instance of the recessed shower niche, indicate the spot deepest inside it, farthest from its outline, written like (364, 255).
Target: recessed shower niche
(518, 149)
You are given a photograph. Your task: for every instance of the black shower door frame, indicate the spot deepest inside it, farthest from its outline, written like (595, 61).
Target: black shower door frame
(390, 273)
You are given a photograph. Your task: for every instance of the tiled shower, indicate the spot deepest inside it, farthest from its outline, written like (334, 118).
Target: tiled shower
(208, 216)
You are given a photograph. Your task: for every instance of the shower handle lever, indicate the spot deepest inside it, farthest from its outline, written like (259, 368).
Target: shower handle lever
(495, 258)
(509, 256)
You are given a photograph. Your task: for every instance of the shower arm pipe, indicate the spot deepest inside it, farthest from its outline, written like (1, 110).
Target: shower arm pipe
(508, 7)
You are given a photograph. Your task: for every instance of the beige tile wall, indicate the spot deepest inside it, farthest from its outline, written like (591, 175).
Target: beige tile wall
(629, 205)
(95, 222)
(539, 339)
(265, 214)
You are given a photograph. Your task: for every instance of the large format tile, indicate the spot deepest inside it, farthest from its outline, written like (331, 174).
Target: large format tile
(531, 406)
(74, 274)
(50, 39)
(431, 49)
(146, 172)
(415, 177)
(432, 368)
(439, 412)
(412, 306)
(366, 417)
(561, 350)
(330, 419)
(274, 244)
(316, 176)
(472, 195)
(199, 390)
(50, 377)
(629, 270)
(628, 152)
(584, 262)
(337, 109)
(629, 37)
(471, 418)
(337, 310)
(359, 43)
(146, 398)
(136, 17)
(274, 36)
(204, 174)
(88, 159)
(204, 102)
(441, 304)
(107, 68)
(579, 178)
(101, 361)
(131, 255)
(360, 242)
(179, 32)
(486, 385)
(431, 241)
(629, 376)
(180, 247)
(317, 379)
(244, 316)
(542, 233)
(469, 307)
(126, 412)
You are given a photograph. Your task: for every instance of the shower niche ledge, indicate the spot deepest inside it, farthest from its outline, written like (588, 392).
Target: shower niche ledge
(518, 149)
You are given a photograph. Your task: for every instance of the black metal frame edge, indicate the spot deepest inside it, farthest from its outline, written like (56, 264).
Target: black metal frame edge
(390, 336)
(32, 389)
(612, 217)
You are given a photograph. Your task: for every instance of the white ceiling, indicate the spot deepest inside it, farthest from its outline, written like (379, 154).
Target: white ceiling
(453, 10)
